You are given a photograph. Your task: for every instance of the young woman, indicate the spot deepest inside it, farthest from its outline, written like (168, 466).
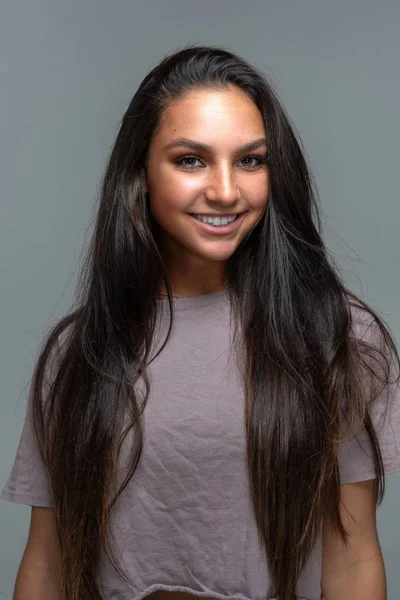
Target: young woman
(216, 415)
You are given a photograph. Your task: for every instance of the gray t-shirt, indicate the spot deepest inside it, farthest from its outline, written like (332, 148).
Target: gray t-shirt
(184, 522)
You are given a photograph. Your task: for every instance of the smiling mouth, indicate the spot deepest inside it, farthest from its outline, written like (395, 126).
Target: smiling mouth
(217, 227)
(217, 216)
(216, 221)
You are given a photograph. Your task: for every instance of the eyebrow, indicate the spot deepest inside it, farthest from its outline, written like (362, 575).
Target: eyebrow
(188, 143)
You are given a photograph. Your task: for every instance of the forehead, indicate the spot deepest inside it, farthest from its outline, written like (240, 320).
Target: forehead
(208, 115)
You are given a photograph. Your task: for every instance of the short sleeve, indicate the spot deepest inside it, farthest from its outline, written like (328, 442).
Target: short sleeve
(28, 482)
(355, 457)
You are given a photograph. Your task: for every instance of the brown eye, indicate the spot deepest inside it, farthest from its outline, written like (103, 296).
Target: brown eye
(183, 161)
(188, 161)
(260, 161)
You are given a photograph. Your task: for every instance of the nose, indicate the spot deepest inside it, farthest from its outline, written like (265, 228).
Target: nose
(221, 186)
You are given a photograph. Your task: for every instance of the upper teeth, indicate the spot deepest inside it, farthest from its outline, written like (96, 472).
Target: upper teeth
(216, 220)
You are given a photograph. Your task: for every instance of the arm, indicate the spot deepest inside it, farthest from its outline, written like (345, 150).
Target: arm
(39, 573)
(356, 571)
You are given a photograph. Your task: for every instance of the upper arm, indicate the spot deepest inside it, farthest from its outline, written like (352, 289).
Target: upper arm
(358, 513)
(43, 545)
(39, 574)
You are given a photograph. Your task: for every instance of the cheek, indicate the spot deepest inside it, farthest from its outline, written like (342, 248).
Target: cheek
(257, 196)
(173, 190)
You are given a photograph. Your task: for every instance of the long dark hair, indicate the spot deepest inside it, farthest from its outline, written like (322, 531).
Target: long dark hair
(302, 367)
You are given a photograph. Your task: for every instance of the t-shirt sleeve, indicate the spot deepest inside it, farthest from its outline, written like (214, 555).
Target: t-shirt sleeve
(28, 481)
(355, 457)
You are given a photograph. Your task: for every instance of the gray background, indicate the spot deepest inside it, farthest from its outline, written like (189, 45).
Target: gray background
(68, 71)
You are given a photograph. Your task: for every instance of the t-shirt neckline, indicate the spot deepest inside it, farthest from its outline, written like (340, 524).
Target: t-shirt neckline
(192, 302)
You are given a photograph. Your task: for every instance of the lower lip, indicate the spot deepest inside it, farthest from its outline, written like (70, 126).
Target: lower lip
(221, 230)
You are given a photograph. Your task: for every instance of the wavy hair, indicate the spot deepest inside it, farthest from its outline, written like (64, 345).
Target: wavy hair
(303, 369)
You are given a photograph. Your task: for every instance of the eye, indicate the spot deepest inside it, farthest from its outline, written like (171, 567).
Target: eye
(257, 157)
(183, 161)
(180, 160)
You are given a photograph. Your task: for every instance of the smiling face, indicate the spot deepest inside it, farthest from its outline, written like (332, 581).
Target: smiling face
(222, 179)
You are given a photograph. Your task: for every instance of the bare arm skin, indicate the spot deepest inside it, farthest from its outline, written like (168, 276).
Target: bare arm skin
(356, 571)
(38, 576)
